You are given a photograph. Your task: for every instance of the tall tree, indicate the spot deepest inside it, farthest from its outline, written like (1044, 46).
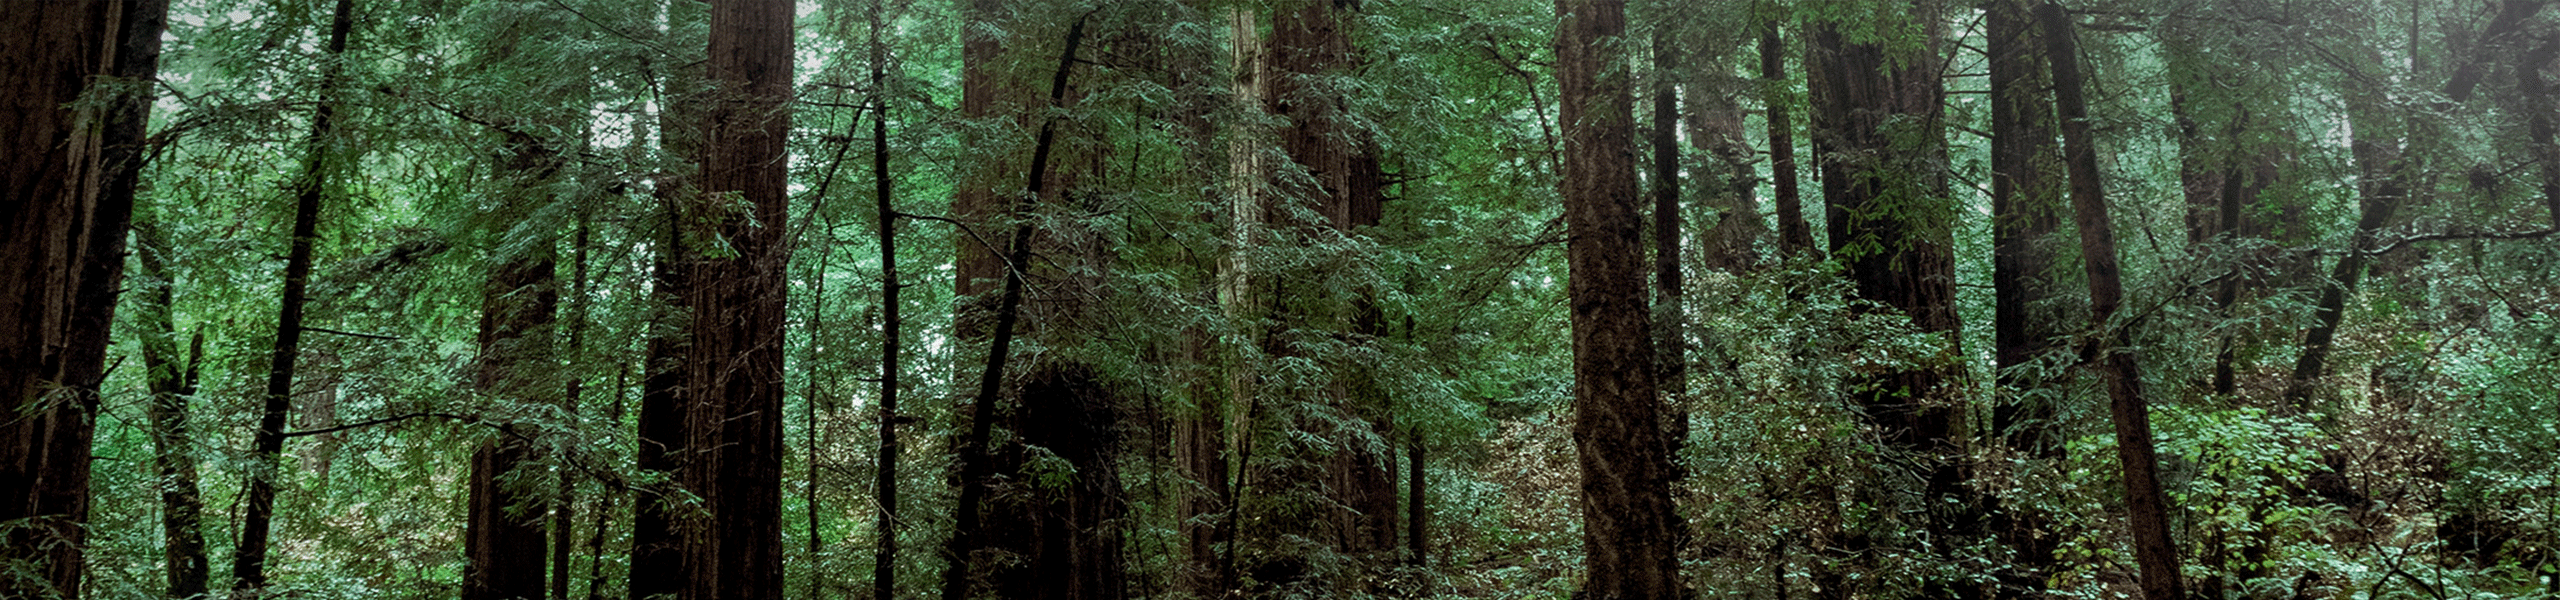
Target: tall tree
(1795, 237)
(61, 221)
(1877, 100)
(657, 561)
(2025, 212)
(2131, 413)
(884, 566)
(249, 556)
(503, 543)
(1627, 514)
(733, 370)
(968, 535)
(172, 379)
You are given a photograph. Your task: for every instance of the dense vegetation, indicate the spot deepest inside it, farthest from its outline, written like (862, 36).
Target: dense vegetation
(1100, 299)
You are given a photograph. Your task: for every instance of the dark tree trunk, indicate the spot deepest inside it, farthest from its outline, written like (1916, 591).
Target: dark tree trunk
(1795, 237)
(2025, 212)
(975, 465)
(1878, 133)
(884, 565)
(1627, 472)
(172, 379)
(2381, 187)
(249, 557)
(1670, 321)
(2539, 99)
(984, 93)
(2147, 509)
(59, 265)
(733, 371)
(1417, 516)
(657, 562)
(503, 543)
(1311, 41)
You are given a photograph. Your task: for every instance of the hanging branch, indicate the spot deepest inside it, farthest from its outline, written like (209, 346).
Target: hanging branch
(973, 451)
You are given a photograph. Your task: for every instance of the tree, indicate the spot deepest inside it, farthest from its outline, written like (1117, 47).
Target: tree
(249, 557)
(1877, 100)
(64, 260)
(1626, 464)
(733, 369)
(518, 307)
(657, 560)
(2029, 303)
(2128, 409)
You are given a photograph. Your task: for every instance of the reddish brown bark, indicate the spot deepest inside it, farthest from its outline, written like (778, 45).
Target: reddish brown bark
(1795, 237)
(733, 370)
(502, 544)
(1627, 514)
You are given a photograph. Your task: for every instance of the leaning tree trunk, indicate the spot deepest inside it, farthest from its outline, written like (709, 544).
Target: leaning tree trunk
(60, 263)
(1628, 518)
(172, 379)
(2148, 510)
(249, 557)
(732, 546)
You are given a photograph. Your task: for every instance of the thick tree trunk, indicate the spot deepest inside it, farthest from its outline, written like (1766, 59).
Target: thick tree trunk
(1877, 123)
(503, 543)
(52, 338)
(1310, 41)
(249, 556)
(657, 562)
(1417, 516)
(2025, 213)
(2146, 506)
(1628, 517)
(733, 371)
(975, 463)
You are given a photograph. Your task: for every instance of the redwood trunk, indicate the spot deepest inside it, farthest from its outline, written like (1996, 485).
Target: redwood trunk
(732, 548)
(1795, 237)
(2025, 213)
(2147, 508)
(1628, 518)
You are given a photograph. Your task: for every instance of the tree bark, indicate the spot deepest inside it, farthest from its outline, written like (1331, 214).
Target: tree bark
(884, 565)
(975, 467)
(733, 395)
(2146, 506)
(1310, 41)
(504, 541)
(1882, 154)
(249, 556)
(1628, 517)
(1795, 237)
(657, 561)
(59, 217)
(2025, 213)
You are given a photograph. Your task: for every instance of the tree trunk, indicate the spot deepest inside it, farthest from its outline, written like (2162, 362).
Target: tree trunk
(884, 565)
(503, 543)
(172, 379)
(657, 562)
(1311, 41)
(2539, 129)
(2147, 509)
(1417, 516)
(1877, 123)
(2025, 213)
(249, 557)
(1795, 237)
(60, 216)
(733, 371)
(1627, 471)
(975, 467)
(1670, 318)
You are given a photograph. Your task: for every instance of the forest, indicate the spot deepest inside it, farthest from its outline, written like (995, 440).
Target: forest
(1280, 299)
